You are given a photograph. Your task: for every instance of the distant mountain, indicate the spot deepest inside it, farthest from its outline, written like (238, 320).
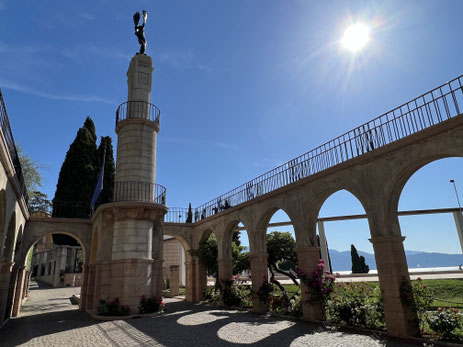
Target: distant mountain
(341, 261)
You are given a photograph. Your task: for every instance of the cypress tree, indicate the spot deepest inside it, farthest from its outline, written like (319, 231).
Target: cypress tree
(78, 174)
(358, 262)
(109, 169)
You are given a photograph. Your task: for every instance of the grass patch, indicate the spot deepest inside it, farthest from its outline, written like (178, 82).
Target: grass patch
(448, 290)
(181, 291)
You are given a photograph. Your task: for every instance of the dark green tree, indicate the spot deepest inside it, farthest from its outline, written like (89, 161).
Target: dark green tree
(358, 262)
(189, 218)
(109, 169)
(78, 175)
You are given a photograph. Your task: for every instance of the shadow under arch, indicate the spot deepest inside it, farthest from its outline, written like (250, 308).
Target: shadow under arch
(8, 251)
(2, 218)
(18, 246)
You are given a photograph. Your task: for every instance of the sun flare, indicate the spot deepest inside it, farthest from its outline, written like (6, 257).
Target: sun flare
(356, 37)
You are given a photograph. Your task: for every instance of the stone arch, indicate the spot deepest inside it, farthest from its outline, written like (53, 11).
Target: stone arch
(2, 219)
(10, 238)
(404, 175)
(38, 227)
(29, 244)
(185, 244)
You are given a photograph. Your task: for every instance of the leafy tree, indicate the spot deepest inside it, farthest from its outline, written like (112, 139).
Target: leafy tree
(31, 170)
(241, 261)
(109, 169)
(78, 174)
(358, 262)
(208, 254)
(38, 202)
(281, 256)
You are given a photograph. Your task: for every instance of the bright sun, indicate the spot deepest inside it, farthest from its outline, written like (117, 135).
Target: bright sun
(355, 37)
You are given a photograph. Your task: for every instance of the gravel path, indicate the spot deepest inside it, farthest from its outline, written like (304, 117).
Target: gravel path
(49, 319)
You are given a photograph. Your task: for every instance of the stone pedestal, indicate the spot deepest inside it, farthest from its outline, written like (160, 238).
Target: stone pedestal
(174, 275)
(308, 258)
(391, 262)
(102, 283)
(130, 279)
(258, 276)
(139, 78)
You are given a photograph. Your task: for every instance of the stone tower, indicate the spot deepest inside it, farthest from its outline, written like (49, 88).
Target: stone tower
(126, 255)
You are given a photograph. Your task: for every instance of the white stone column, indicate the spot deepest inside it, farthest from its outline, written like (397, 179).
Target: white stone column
(136, 145)
(458, 217)
(323, 244)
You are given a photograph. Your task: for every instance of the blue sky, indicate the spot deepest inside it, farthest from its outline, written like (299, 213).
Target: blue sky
(242, 85)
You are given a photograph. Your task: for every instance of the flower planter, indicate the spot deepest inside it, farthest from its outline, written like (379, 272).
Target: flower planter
(131, 316)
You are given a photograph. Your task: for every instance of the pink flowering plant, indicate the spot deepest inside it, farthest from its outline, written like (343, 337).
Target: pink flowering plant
(151, 305)
(320, 283)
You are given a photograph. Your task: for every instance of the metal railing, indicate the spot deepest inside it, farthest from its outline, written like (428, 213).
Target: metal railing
(176, 215)
(139, 191)
(8, 134)
(138, 109)
(67, 209)
(429, 109)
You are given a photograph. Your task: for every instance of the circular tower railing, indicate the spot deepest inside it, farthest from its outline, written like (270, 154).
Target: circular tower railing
(138, 109)
(140, 191)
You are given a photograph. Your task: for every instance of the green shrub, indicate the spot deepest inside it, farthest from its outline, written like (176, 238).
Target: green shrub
(356, 304)
(444, 322)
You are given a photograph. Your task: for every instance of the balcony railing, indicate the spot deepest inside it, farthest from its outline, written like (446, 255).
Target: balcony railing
(431, 108)
(139, 191)
(8, 134)
(176, 215)
(138, 109)
(65, 209)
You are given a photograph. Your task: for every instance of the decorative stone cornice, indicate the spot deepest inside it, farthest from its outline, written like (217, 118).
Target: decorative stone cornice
(131, 210)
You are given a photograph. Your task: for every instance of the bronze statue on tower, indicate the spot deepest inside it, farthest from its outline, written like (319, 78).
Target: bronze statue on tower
(140, 30)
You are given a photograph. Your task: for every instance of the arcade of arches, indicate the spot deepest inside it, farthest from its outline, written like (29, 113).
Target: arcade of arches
(123, 240)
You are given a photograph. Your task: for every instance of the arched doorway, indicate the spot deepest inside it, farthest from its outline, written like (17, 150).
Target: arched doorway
(177, 266)
(53, 261)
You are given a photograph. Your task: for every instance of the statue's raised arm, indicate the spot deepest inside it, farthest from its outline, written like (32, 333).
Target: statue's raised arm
(140, 30)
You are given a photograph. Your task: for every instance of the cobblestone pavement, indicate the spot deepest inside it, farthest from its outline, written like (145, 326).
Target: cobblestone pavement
(49, 319)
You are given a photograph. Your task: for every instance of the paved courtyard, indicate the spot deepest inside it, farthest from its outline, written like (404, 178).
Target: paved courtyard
(49, 319)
